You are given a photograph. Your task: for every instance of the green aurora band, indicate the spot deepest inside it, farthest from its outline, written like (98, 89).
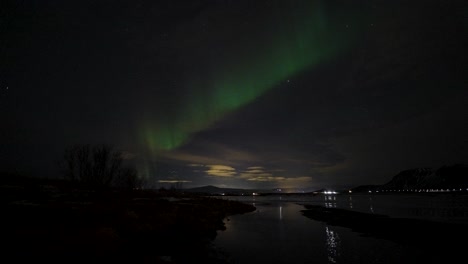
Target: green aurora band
(290, 42)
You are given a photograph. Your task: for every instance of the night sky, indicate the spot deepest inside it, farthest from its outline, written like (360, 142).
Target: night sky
(237, 93)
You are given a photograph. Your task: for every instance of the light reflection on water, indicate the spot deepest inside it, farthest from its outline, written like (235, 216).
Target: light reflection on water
(281, 212)
(333, 244)
(277, 232)
(330, 201)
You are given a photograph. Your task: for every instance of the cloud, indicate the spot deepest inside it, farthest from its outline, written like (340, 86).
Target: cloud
(266, 178)
(208, 153)
(254, 172)
(257, 173)
(172, 181)
(260, 174)
(196, 165)
(221, 171)
(187, 157)
(255, 168)
(297, 181)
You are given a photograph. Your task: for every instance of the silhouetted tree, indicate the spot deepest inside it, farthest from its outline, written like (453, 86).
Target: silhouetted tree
(176, 186)
(128, 179)
(95, 166)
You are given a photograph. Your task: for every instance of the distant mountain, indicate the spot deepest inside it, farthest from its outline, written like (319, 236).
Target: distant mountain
(213, 190)
(446, 177)
(210, 189)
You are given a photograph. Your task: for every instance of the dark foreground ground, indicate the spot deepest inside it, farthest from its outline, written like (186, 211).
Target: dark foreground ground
(55, 222)
(425, 241)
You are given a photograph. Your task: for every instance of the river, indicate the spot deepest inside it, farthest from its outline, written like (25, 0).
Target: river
(277, 232)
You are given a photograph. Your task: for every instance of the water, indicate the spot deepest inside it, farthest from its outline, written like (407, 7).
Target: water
(277, 232)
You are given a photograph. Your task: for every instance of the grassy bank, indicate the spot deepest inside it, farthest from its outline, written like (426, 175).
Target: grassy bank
(56, 221)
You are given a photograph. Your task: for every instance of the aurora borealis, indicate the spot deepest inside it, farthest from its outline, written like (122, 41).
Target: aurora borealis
(292, 38)
(244, 94)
